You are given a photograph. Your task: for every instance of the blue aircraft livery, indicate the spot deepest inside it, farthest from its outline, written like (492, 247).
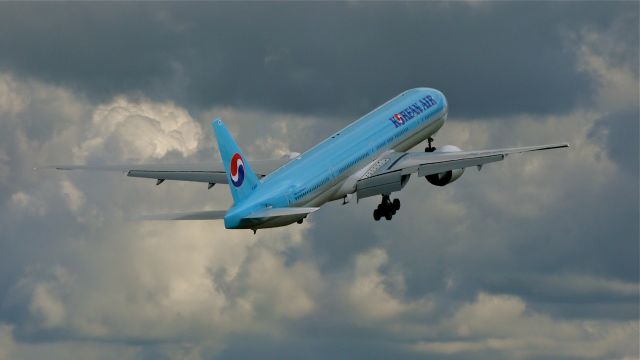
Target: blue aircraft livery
(412, 111)
(367, 158)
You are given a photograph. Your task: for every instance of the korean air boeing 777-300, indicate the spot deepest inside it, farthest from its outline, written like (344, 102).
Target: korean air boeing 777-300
(367, 158)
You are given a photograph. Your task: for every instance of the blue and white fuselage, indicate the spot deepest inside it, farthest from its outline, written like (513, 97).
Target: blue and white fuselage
(330, 170)
(368, 158)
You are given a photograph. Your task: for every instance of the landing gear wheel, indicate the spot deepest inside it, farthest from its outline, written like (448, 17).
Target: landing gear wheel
(386, 208)
(396, 204)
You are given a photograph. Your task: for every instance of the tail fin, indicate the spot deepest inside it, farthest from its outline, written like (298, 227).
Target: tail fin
(241, 178)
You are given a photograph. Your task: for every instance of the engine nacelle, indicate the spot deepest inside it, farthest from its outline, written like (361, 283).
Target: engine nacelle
(444, 178)
(447, 177)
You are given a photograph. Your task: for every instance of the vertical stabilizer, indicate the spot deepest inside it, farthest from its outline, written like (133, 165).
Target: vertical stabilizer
(242, 180)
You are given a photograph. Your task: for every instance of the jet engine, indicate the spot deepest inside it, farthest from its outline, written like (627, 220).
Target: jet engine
(447, 177)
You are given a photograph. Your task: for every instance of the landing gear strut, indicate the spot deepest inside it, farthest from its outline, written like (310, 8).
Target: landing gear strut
(430, 148)
(386, 208)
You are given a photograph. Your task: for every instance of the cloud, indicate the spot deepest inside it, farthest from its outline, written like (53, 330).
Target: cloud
(498, 324)
(46, 303)
(11, 101)
(162, 291)
(141, 129)
(23, 202)
(617, 87)
(6, 341)
(158, 291)
(368, 291)
(73, 197)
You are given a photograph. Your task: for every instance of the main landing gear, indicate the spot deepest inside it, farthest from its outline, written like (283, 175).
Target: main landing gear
(386, 208)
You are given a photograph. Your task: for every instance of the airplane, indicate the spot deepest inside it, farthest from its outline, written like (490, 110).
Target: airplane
(367, 158)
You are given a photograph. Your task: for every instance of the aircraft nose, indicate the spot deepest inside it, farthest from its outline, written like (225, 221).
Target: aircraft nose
(442, 100)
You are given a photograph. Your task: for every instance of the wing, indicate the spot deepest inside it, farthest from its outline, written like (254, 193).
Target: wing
(391, 173)
(212, 173)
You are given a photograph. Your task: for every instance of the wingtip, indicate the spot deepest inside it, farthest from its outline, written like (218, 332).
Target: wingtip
(48, 167)
(559, 146)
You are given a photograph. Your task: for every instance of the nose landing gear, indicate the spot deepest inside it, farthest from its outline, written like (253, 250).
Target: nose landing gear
(386, 208)
(430, 148)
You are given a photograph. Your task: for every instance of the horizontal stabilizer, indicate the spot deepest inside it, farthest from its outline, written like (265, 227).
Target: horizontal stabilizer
(288, 211)
(194, 215)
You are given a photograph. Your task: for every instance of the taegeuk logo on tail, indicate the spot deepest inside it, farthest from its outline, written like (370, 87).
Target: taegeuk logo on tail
(237, 170)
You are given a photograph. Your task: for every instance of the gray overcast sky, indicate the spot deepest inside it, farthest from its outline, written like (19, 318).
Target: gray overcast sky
(532, 258)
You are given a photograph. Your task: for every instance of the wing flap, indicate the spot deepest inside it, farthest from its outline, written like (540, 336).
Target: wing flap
(436, 168)
(383, 184)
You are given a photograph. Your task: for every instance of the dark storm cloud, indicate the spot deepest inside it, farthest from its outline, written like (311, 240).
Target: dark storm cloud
(491, 59)
(619, 131)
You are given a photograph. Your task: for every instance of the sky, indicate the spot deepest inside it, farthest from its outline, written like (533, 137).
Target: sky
(535, 257)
